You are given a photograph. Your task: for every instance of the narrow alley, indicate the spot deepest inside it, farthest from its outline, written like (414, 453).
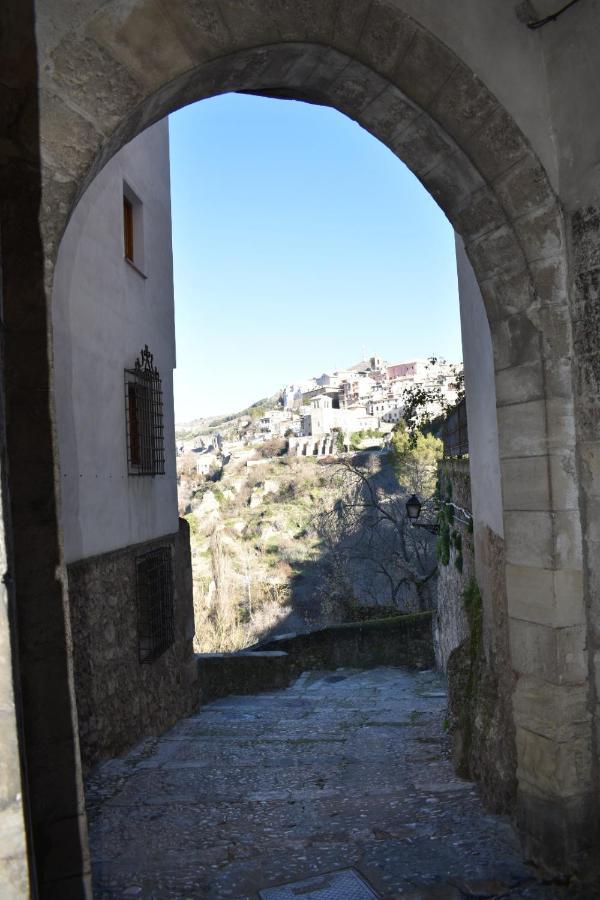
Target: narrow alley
(345, 770)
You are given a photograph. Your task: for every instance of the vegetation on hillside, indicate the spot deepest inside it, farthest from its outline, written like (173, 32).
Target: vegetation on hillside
(282, 543)
(251, 542)
(292, 542)
(227, 422)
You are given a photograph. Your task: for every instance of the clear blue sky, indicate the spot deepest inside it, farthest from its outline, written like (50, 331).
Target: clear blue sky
(300, 243)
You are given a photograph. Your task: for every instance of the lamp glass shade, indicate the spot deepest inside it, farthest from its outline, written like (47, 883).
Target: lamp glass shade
(413, 507)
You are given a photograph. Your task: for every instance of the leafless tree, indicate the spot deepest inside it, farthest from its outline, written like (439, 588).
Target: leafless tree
(372, 552)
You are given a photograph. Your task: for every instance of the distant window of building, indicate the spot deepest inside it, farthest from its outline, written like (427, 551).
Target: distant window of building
(144, 415)
(154, 596)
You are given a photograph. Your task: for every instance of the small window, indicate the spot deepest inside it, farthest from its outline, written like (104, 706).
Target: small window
(133, 229)
(144, 415)
(154, 595)
(128, 228)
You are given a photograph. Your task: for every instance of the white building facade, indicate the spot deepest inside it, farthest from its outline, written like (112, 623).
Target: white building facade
(114, 352)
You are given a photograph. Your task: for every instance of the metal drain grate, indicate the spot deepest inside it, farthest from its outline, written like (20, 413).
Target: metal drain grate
(342, 885)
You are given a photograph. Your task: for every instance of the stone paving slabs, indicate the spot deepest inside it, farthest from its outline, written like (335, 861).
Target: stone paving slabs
(342, 771)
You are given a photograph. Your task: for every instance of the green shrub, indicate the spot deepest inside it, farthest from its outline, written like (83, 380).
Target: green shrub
(474, 609)
(443, 544)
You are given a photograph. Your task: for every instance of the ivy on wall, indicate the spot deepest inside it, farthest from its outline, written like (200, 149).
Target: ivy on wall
(448, 536)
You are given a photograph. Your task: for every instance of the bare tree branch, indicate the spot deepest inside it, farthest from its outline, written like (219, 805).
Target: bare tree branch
(371, 548)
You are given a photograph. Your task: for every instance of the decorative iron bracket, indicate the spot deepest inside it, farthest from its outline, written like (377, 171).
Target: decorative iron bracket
(144, 364)
(432, 527)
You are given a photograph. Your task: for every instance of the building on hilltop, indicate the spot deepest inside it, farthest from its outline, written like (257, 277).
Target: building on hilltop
(291, 395)
(322, 418)
(371, 394)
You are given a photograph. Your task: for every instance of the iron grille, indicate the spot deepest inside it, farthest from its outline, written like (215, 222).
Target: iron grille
(455, 434)
(154, 591)
(144, 414)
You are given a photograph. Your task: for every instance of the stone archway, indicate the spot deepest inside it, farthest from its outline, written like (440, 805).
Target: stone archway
(117, 67)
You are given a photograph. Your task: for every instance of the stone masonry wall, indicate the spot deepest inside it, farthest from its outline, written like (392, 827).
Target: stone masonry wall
(403, 641)
(451, 627)
(475, 657)
(119, 699)
(584, 698)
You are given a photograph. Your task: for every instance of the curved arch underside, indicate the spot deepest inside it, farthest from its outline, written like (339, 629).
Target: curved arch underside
(121, 65)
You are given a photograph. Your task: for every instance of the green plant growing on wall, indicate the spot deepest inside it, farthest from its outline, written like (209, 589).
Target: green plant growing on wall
(474, 610)
(443, 522)
(449, 537)
(443, 543)
(470, 654)
(415, 459)
(357, 437)
(448, 502)
(457, 544)
(424, 408)
(339, 440)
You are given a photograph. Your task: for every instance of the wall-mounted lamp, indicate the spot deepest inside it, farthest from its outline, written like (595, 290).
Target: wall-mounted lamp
(413, 511)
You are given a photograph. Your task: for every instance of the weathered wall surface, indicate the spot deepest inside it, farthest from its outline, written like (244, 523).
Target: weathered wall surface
(104, 311)
(398, 641)
(480, 395)
(119, 699)
(451, 626)
(484, 459)
(482, 670)
(480, 680)
(401, 641)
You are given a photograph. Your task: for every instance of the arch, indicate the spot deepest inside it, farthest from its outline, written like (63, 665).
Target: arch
(119, 66)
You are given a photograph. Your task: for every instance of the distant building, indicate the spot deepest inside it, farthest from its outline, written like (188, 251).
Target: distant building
(207, 461)
(275, 422)
(322, 418)
(414, 369)
(291, 395)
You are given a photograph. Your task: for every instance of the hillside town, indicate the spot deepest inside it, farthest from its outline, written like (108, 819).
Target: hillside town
(323, 415)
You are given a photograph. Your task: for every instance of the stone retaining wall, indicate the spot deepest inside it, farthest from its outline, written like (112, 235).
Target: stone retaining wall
(400, 641)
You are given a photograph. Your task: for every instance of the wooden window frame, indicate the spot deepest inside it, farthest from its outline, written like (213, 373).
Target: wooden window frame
(128, 230)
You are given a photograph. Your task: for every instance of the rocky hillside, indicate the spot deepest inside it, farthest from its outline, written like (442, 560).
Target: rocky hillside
(274, 547)
(228, 425)
(252, 544)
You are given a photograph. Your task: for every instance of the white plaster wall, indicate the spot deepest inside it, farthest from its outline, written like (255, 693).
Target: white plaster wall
(104, 312)
(480, 390)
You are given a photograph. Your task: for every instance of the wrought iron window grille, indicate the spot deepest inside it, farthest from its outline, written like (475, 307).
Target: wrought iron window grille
(144, 416)
(155, 611)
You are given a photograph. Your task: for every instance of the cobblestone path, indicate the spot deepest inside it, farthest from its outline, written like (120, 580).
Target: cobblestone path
(341, 770)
